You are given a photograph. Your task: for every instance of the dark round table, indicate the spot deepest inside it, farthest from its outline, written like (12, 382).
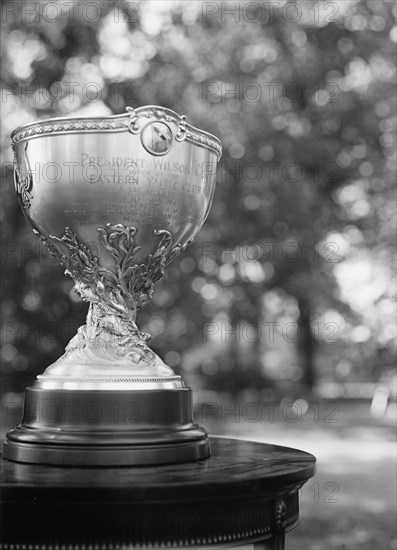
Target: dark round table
(245, 493)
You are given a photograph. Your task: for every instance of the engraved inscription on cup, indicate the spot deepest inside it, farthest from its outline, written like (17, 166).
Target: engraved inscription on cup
(85, 181)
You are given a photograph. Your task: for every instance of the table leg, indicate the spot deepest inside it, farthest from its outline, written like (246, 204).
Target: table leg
(277, 542)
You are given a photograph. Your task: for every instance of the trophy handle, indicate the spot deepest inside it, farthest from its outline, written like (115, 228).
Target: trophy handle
(23, 179)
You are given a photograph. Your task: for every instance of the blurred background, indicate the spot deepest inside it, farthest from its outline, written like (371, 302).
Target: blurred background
(281, 314)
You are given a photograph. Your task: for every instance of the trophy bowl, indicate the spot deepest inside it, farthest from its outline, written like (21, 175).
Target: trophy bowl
(114, 199)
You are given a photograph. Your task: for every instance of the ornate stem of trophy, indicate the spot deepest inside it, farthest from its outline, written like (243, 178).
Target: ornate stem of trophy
(108, 353)
(142, 187)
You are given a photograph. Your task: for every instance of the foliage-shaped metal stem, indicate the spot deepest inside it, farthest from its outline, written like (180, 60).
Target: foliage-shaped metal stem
(123, 291)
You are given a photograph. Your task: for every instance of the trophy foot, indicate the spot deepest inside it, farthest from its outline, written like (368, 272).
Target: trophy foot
(112, 428)
(108, 401)
(108, 353)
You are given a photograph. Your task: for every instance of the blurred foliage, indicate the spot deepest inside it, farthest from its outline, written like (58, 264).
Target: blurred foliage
(301, 233)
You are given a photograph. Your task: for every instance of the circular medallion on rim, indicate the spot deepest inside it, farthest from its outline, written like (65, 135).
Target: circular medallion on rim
(157, 138)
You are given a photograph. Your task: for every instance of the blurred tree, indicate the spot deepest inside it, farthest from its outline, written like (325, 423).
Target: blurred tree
(304, 109)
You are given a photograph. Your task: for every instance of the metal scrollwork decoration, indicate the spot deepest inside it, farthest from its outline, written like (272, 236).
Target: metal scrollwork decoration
(181, 134)
(159, 115)
(23, 179)
(132, 123)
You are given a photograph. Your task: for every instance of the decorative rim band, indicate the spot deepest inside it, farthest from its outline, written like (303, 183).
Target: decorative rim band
(116, 123)
(106, 378)
(242, 536)
(106, 382)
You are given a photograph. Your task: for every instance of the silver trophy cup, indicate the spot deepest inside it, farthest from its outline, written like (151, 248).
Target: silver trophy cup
(114, 199)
